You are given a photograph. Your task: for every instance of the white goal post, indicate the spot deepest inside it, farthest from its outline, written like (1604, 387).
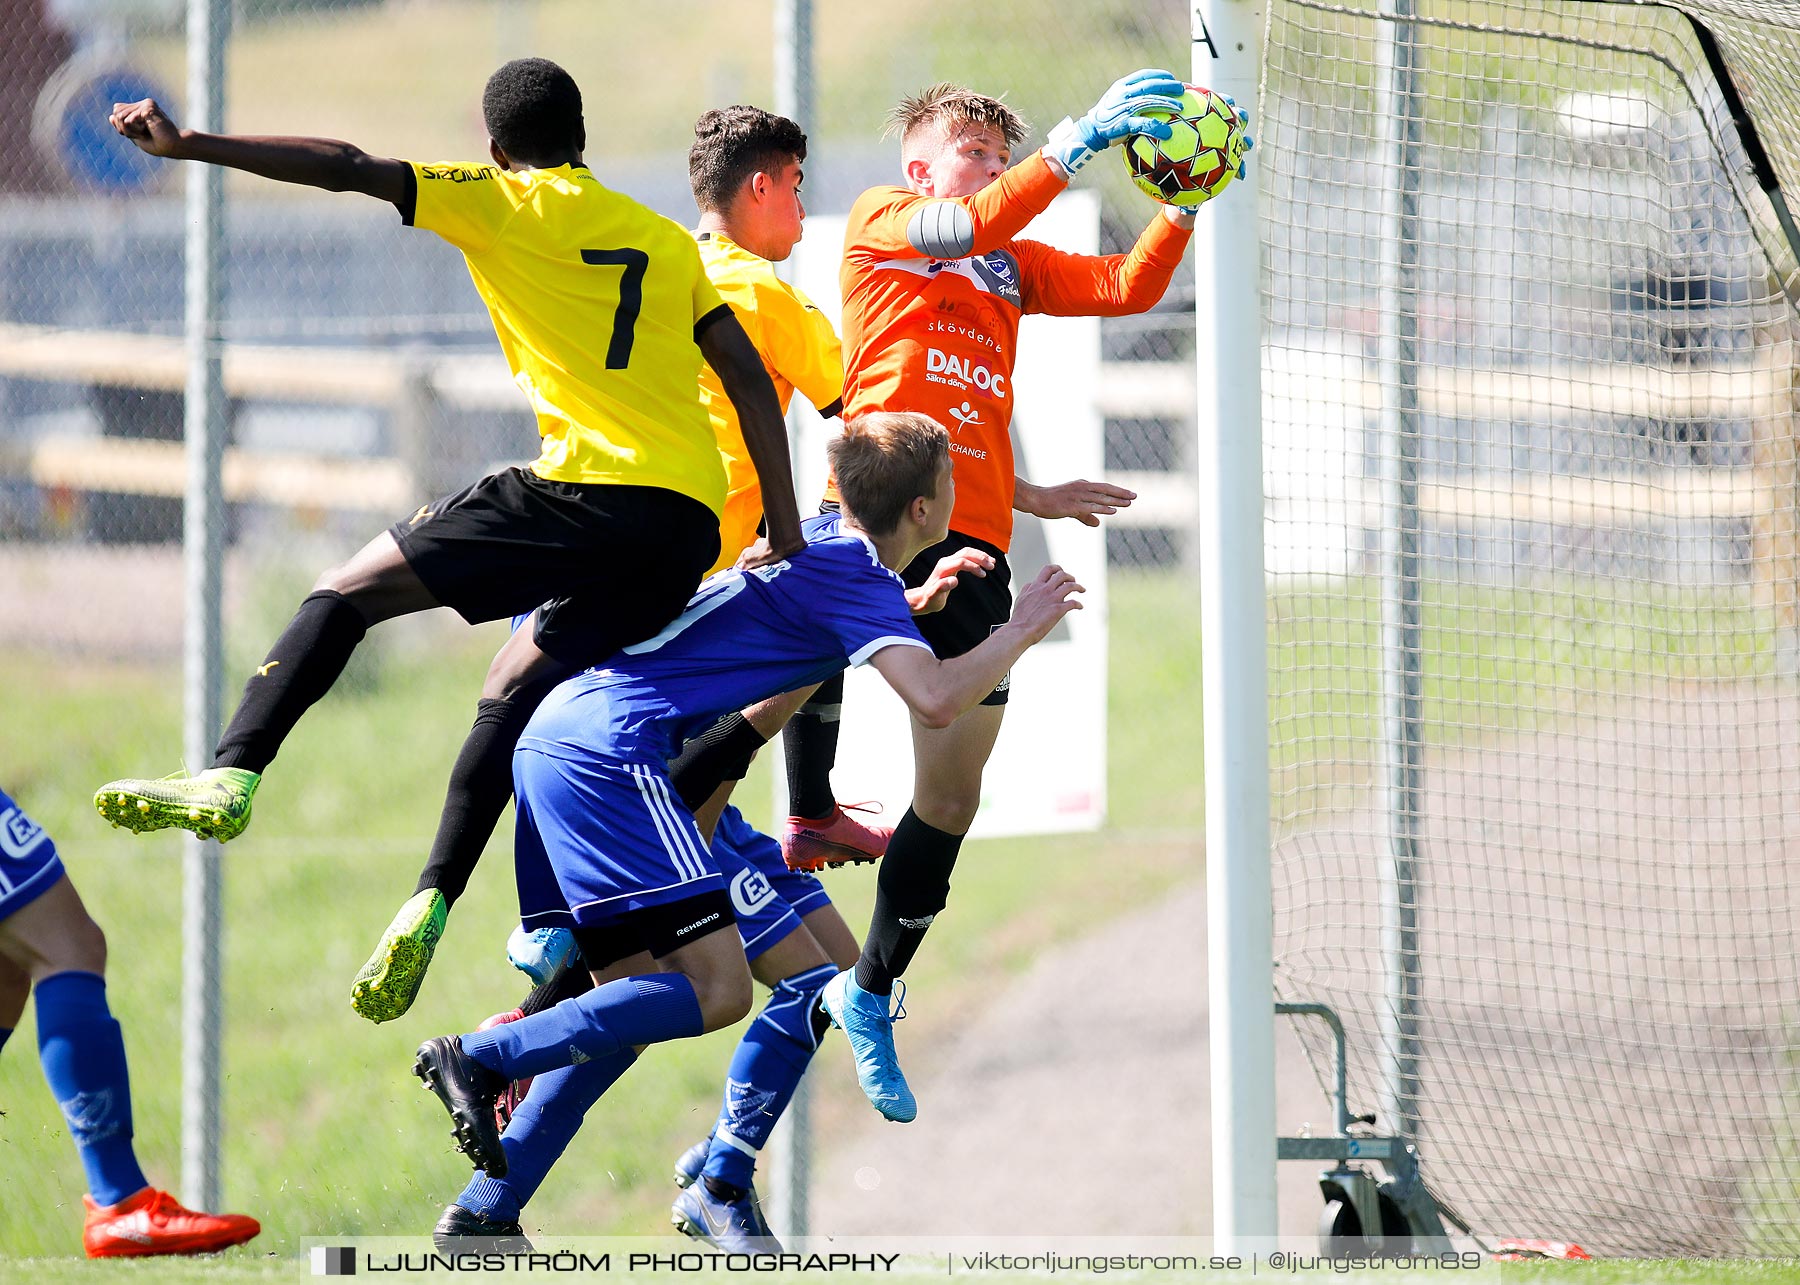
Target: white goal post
(1228, 366)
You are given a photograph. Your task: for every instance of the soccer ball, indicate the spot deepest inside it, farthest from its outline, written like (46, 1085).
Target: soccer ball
(1197, 161)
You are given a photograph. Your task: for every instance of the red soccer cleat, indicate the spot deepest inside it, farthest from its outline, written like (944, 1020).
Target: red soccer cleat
(837, 840)
(1513, 1251)
(154, 1222)
(513, 1093)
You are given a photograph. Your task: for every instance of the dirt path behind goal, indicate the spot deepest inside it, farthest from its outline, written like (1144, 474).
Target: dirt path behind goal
(1076, 1102)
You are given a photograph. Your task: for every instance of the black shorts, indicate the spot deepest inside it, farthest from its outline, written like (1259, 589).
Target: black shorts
(976, 607)
(609, 565)
(661, 929)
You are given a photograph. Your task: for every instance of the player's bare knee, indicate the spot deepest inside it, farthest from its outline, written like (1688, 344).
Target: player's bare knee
(84, 949)
(519, 664)
(378, 581)
(834, 937)
(504, 681)
(725, 997)
(76, 946)
(770, 716)
(951, 809)
(15, 989)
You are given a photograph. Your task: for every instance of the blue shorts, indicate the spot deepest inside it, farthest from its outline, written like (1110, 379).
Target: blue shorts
(28, 860)
(599, 839)
(768, 897)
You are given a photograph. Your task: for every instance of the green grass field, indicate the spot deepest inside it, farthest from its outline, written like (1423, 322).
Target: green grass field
(327, 1134)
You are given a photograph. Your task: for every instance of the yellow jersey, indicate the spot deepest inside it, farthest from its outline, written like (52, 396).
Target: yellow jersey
(597, 302)
(800, 350)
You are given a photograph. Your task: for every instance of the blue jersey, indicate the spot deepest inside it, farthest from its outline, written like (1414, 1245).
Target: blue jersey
(745, 636)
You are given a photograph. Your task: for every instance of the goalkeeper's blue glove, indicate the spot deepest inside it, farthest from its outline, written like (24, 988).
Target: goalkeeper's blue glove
(1118, 114)
(1243, 119)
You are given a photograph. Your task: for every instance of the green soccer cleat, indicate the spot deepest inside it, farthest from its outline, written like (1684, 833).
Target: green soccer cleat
(390, 981)
(214, 805)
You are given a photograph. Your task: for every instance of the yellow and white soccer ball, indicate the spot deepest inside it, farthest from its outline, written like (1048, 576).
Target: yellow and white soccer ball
(1199, 158)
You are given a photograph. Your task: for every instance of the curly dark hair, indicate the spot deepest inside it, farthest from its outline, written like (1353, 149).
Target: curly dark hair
(533, 109)
(731, 144)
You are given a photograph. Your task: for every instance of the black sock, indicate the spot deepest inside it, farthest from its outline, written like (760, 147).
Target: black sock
(722, 1190)
(809, 742)
(480, 784)
(912, 888)
(567, 982)
(300, 668)
(721, 753)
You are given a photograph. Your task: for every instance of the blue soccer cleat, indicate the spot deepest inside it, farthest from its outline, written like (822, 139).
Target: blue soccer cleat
(690, 1163)
(735, 1226)
(864, 1020)
(538, 954)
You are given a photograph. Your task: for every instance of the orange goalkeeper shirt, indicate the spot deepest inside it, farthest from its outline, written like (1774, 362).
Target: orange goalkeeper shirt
(939, 336)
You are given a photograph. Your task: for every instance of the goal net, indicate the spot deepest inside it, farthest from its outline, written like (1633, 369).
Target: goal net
(1531, 497)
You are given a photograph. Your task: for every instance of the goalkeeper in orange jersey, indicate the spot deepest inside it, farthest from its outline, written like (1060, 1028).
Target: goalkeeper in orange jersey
(935, 278)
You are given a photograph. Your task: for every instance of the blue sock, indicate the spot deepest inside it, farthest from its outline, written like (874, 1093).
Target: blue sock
(540, 1131)
(5, 1035)
(83, 1054)
(618, 1015)
(764, 1073)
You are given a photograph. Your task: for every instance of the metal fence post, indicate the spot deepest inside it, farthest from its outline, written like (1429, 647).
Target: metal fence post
(203, 557)
(790, 1145)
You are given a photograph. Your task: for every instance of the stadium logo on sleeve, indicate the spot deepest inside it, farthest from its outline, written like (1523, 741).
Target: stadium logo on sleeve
(459, 173)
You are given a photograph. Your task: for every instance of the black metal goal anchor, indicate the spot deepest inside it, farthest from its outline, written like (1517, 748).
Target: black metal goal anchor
(1365, 1216)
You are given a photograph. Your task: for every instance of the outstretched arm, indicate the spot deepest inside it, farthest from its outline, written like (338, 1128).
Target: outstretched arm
(908, 224)
(940, 691)
(740, 369)
(313, 162)
(1105, 285)
(1087, 502)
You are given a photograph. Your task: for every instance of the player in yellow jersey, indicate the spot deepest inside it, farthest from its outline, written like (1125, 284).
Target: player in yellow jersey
(605, 315)
(746, 170)
(745, 166)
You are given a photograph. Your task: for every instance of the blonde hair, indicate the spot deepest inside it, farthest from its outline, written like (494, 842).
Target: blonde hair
(885, 460)
(953, 109)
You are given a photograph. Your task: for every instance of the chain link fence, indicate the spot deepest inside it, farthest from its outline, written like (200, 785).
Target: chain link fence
(362, 378)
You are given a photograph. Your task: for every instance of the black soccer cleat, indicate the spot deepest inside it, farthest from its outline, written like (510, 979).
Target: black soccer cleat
(459, 1227)
(468, 1091)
